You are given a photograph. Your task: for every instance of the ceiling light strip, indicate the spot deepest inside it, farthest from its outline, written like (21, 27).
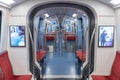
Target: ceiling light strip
(8, 2)
(115, 2)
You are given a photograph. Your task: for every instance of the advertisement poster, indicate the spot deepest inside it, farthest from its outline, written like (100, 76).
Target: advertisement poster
(17, 36)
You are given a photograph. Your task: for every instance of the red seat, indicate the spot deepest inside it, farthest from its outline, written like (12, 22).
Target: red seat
(71, 37)
(79, 55)
(0, 76)
(7, 69)
(115, 72)
(40, 55)
(50, 37)
(99, 77)
(21, 77)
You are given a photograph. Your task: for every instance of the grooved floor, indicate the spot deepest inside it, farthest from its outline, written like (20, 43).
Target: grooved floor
(65, 64)
(61, 63)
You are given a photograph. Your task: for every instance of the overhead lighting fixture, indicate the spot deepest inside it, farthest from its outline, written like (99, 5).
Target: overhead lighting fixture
(115, 2)
(7, 1)
(84, 14)
(46, 15)
(74, 15)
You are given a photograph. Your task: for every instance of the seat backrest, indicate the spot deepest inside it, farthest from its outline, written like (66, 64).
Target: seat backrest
(0, 76)
(6, 65)
(40, 55)
(116, 66)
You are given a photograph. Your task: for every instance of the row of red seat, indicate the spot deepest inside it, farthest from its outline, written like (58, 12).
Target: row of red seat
(115, 71)
(81, 55)
(40, 55)
(71, 37)
(50, 37)
(66, 35)
(6, 72)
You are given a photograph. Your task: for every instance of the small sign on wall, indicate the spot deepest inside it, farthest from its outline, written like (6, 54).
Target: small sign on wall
(106, 36)
(17, 36)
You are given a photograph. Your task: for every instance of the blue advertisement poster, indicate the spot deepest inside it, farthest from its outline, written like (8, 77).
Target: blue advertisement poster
(17, 36)
(106, 36)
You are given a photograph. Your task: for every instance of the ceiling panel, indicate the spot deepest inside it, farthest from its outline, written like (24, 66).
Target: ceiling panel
(107, 2)
(60, 11)
(102, 1)
(17, 2)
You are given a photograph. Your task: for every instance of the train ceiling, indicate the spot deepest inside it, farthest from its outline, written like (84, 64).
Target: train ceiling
(61, 12)
(106, 2)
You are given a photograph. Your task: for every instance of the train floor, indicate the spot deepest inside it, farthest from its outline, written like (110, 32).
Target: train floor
(62, 62)
(60, 66)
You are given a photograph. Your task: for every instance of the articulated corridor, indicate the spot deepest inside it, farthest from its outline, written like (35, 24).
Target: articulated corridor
(61, 63)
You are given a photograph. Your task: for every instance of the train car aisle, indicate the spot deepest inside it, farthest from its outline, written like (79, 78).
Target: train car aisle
(61, 63)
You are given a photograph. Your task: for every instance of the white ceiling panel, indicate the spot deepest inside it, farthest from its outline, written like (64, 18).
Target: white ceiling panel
(17, 2)
(107, 2)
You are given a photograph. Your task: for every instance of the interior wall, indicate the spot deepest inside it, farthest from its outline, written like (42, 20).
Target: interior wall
(117, 18)
(104, 55)
(19, 55)
(104, 16)
(4, 28)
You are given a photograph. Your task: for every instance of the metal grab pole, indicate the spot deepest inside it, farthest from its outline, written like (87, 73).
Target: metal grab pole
(91, 40)
(30, 34)
(32, 50)
(84, 36)
(60, 43)
(82, 29)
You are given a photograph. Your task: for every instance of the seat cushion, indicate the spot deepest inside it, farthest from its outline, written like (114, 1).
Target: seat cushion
(40, 54)
(21, 77)
(113, 77)
(6, 66)
(71, 37)
(79, 55)
(94, 77)
(0, 76)
(50, 37)
(116, 66)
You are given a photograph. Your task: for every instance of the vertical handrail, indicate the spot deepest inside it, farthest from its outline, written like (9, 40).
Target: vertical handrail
(82, 29)
(60, 42)
(44, 37)
(38, 32)
(83, 46)
(91, 40)
(31, 38)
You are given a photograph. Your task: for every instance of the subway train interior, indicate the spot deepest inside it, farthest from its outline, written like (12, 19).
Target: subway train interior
(59, 40)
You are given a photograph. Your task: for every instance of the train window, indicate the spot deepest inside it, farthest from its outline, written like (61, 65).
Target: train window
(67, 21)
(0, 22)
(54, 22)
